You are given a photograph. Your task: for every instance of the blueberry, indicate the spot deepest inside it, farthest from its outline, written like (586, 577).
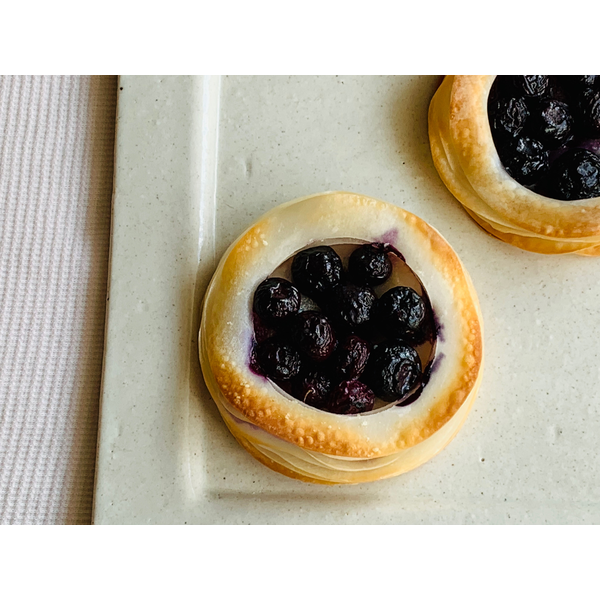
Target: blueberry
(580, 82)
(351, 306)
(590, 113)
(525, 159)
(277, 360)
(276, 299)
(370, 265)
(508, 117)
(533, 86)
(262, 331)
(550, 122)
(393, 370)
(575, 175)
(312, 333)
(254, 364)
(350, 358)
(404, 314)
(316, 271)
(350, 398)
(312, 387)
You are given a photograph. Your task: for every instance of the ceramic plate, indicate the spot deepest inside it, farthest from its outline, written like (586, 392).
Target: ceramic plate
(197, 160)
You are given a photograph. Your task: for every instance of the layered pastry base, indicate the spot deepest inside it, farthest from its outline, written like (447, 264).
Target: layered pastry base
(524, 164)
(371, 420)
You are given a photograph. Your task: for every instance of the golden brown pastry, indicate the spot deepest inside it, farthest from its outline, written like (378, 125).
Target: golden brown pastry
(307, 443)
(466, 158)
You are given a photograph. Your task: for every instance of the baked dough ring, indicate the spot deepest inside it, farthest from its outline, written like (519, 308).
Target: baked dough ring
(465, 156)
(301, 441)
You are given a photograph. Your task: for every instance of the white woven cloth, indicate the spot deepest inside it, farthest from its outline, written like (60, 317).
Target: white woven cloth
(56, 165)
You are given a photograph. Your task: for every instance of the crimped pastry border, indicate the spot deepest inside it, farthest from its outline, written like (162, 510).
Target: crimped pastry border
(466, 158)
(363, 436)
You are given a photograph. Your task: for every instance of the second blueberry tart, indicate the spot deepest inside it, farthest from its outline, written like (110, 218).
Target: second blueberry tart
(522, 155)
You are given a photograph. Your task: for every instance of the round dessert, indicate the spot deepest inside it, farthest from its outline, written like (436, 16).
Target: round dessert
(522, 155)
(341, 340)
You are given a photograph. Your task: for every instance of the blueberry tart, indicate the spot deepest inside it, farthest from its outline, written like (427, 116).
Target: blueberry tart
(341, 340)
(522, 155)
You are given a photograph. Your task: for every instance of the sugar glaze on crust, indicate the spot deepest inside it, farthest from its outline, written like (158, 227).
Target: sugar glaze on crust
(465, 156)
(305, 442)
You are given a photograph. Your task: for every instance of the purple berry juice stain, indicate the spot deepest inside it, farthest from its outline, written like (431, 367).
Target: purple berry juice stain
(389, 237)
(439, 327)
(432, 367)
(241, 422)
(386, 242)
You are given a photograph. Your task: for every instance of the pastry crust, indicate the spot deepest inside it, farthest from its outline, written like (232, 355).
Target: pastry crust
(308, 443)
(465, 156)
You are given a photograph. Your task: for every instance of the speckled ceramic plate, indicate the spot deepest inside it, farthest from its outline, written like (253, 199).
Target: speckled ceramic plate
(199, 159)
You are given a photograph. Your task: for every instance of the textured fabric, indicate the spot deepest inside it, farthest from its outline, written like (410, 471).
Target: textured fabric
(56, 167)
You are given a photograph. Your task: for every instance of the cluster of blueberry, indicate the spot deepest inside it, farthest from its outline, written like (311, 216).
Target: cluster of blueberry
(354, 346)
(547, 132)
